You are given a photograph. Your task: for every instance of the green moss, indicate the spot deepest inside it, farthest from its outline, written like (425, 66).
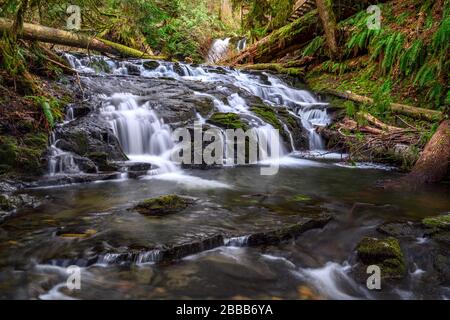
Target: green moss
(440, 222)
(267, 114)
(163, 205)
(301, 198)
(22, 155)
(278, 68)
(5, 204)
(386, 253)
(227, 121)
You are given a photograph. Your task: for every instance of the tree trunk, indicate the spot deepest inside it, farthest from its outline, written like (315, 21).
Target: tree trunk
(433, 163)
(50, 35)
(325, 9)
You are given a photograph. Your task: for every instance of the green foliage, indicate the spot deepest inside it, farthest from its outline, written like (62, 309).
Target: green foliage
(361, 35)
(314, 47)
(350, 108)
(51, 109)
(413, 58)
(389, 47)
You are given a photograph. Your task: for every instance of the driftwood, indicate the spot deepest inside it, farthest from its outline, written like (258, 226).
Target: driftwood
(414, 112)
(50, 35)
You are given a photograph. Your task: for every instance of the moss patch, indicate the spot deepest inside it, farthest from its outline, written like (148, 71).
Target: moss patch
(22, 154)
(227, 121)
(441, 222)
(386, 253)
(268, 115)
(163, 205)
(5, 204)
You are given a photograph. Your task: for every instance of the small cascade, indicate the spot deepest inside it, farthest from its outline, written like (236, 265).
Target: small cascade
(59, 161)
(141, 133)
(311, 119)
(241, 44)
(219, 50)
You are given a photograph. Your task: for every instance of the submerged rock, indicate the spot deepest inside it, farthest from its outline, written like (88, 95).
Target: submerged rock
(163, 205)
(287, 233)
(385, 253)
(401, 229)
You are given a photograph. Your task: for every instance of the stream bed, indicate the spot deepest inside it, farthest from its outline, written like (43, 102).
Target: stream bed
(90, 225)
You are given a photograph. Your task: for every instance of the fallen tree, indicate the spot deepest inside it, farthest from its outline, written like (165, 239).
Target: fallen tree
(40, 33)
(414, 112)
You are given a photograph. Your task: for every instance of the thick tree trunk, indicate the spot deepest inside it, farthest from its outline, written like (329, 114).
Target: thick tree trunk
(55, 36)
(414, 112)
(325, 9)
(433, 163)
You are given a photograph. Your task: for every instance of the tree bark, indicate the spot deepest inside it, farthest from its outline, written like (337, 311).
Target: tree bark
(433, 163)
(50, 35)
(325, 9)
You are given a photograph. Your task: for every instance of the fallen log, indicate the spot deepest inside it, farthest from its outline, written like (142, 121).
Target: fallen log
(40, 33)
(378, 123)
(414, 112)
(276, 67)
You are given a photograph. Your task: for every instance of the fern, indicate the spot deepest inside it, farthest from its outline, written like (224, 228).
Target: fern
(48, 113)
(313, 47)
(425, 75)
(441, 38)
(413, 58)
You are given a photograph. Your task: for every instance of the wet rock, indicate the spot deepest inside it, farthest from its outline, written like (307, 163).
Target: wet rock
(180, 251)
(163, 205)
(71, 179)
(227, 121)
(101, 161)
(90, 135)
(151, 65)
(178, 69)
(385, 253)
(439, 223)
(139, 166)
(441, 264)
(287, 233)
(438, 228)
(80, 110)
(401, 229)
(85, 164)
(133, 70)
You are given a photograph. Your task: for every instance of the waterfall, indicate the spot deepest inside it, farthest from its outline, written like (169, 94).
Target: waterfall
(59, 161)
(142, 135)
(218, 50)
(241, 44)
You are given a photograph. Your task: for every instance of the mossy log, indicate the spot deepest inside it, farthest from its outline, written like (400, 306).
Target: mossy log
(413, 112)
(295, 34)
(55, 36)
(276, 67)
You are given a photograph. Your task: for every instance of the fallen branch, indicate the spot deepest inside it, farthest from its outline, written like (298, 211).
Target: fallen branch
(414, 112)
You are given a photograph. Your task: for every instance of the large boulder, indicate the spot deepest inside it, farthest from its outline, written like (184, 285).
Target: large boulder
(90, 135)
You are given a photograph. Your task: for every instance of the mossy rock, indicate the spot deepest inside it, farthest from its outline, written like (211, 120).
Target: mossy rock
(151, 65)
(227, 121)
(164, 205)
(438, 223)
(385, 253)
(5, 204)
(267, 114)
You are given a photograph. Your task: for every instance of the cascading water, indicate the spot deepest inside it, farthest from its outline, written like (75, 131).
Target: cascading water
(142, 134)
(241, 44)
(59, 161)
(218, 50)
(145, 137)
